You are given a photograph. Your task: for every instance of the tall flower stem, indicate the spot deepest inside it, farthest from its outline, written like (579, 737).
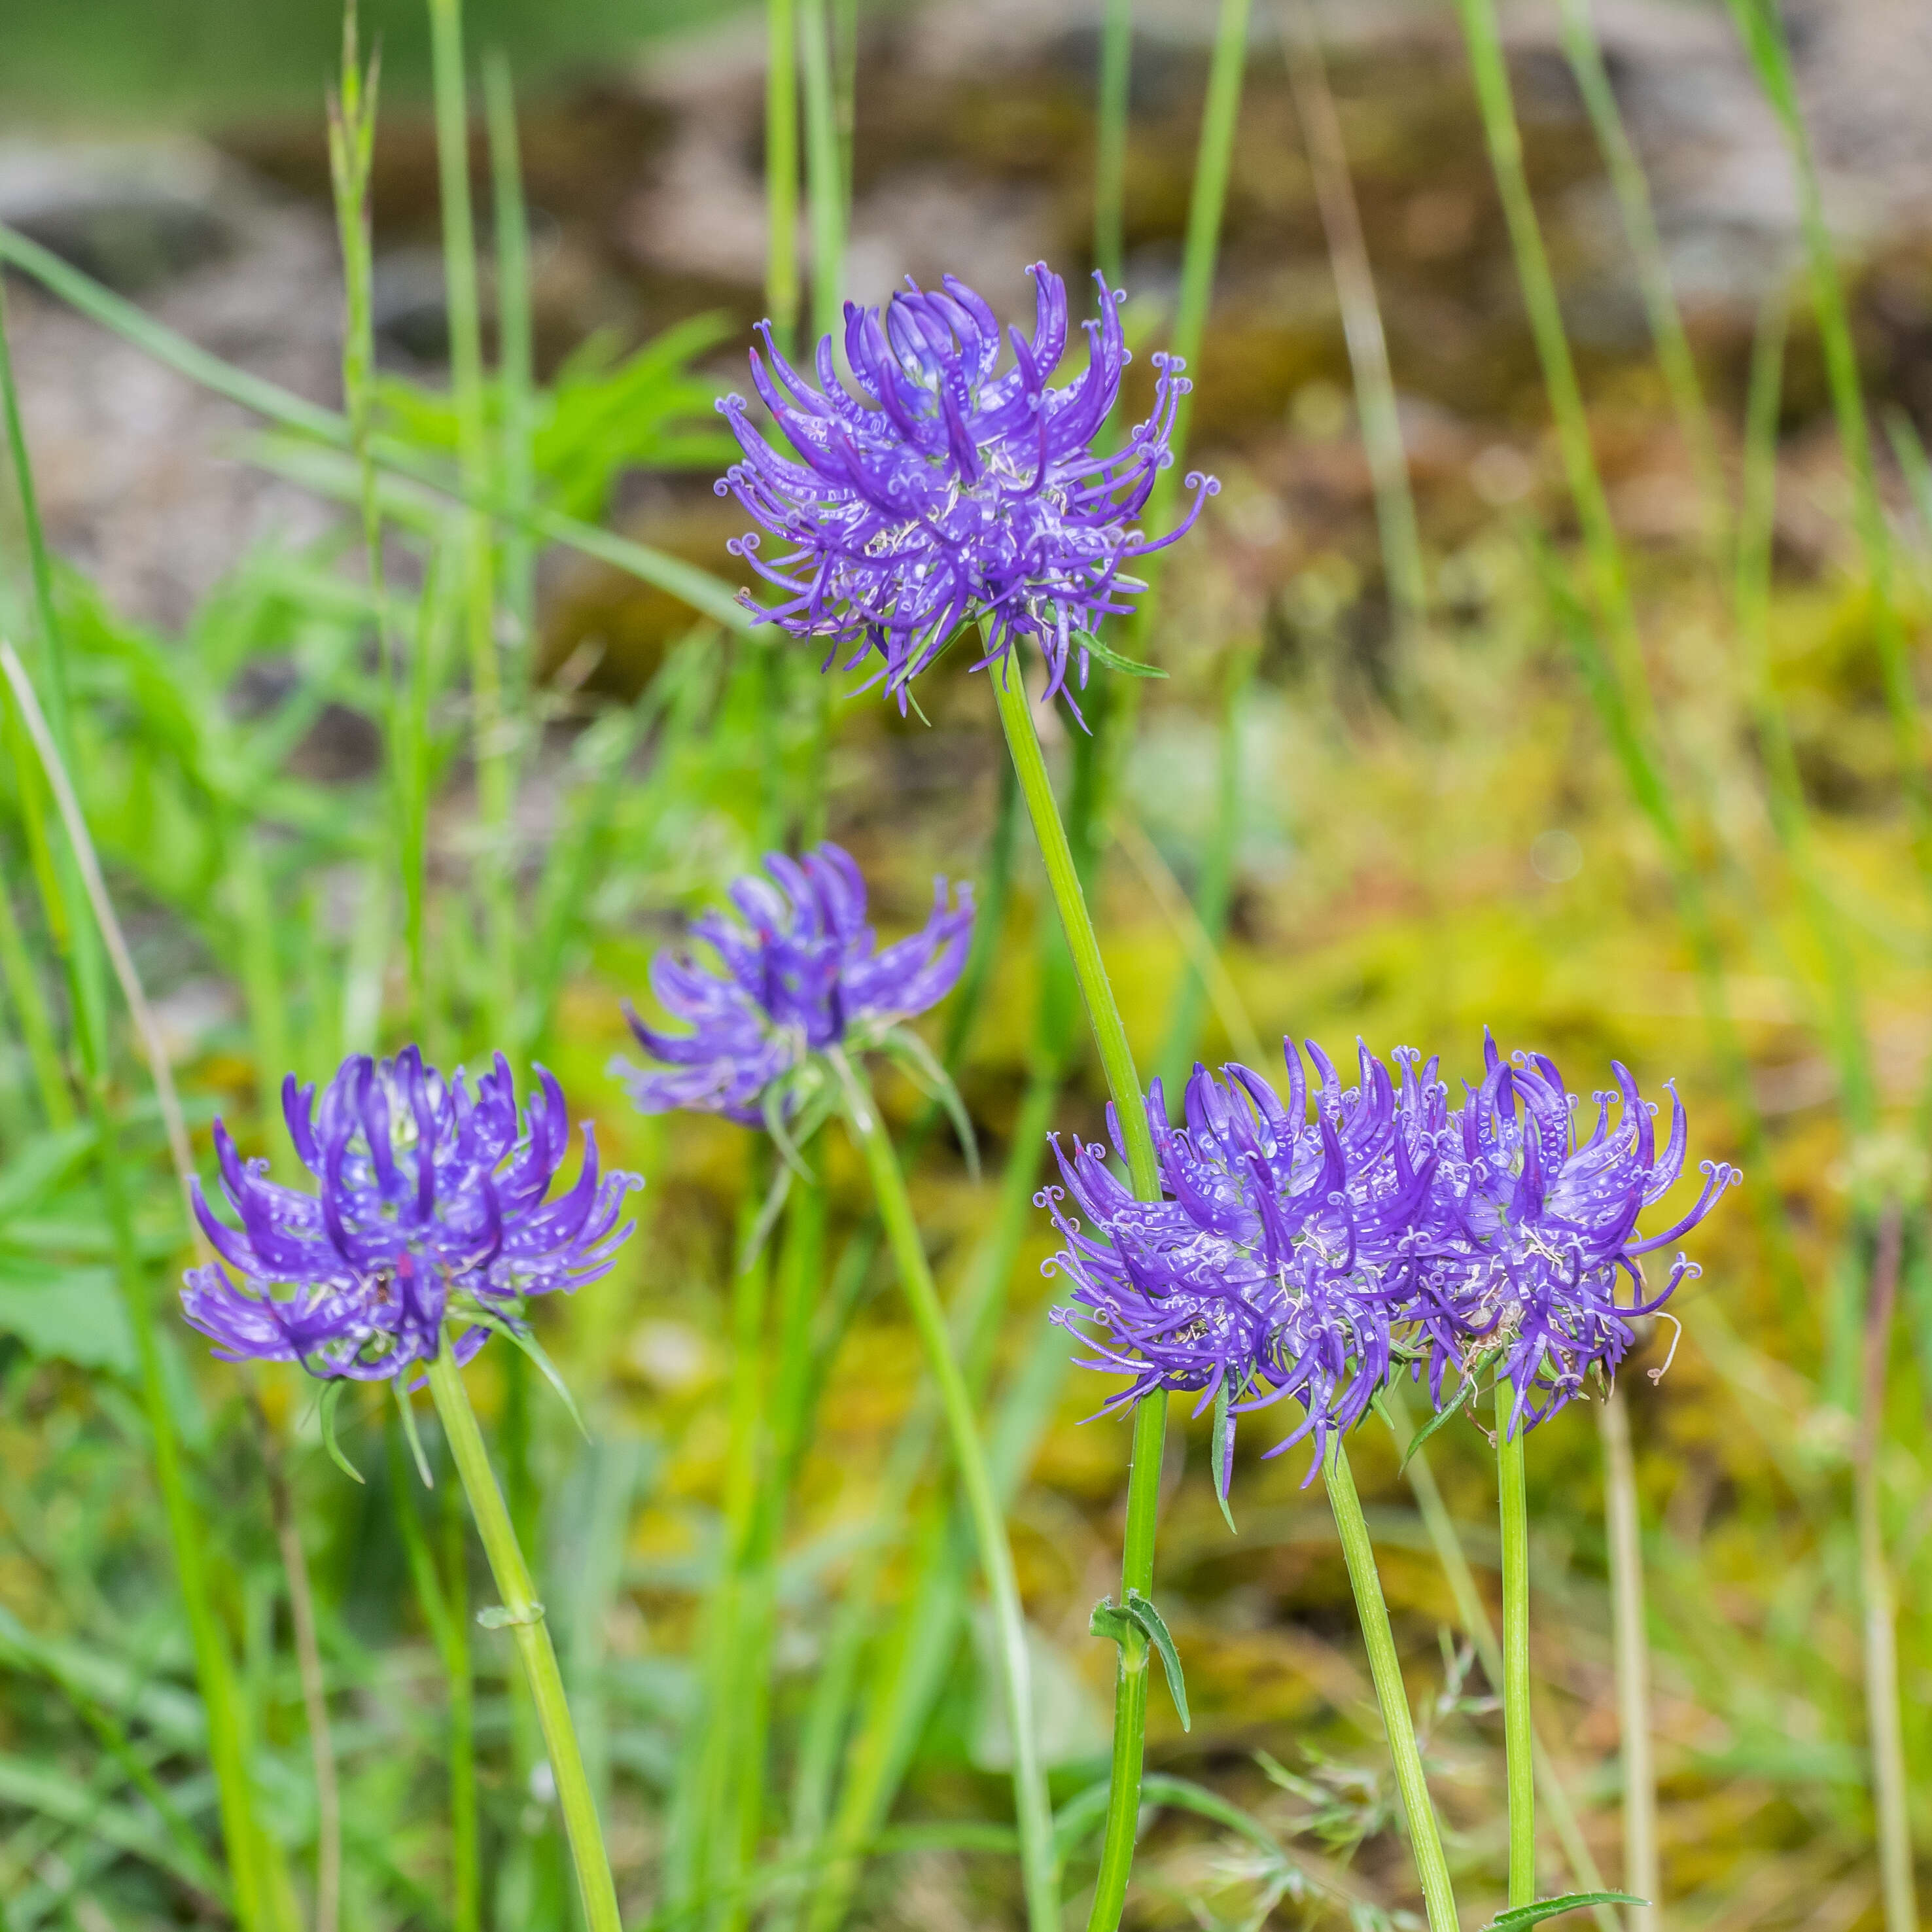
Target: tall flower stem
(1438, 1896)
(1123, 1082)
(524, 1617)
(1033, 1809)
(1632, 1647)
(1519, 1757)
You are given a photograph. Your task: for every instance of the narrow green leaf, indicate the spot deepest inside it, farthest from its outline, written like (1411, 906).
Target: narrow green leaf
(915, 1058)
(331, 1399)
(1218, 1454)
(1457, 1403)
(1519, 1916)
(1105, 654)
(520, 1335)
(1154, 1625)
(409, 1430)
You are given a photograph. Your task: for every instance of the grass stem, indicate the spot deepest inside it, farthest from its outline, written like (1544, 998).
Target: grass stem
(1674, 361)
(781, 263)
(1033, 1809)
(1631, 1641)
(1110, 140)
(1513, 1503)
(490, 726)
(1361, 321)
(1385, 1667)
(523, 1616)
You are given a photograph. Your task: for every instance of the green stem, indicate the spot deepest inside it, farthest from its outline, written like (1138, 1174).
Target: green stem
(1123, 1082)
(1630, 1642)
(1439, 1896)
(1474, 1618)
(782, 275)
(1884, 1718)
(1110, 140)
(466, 1860)
(1033, 1810)
(1090, 969)
(525, 1618)
(1514, 1504)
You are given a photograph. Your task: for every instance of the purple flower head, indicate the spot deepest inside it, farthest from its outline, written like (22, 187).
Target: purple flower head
(1541, 1223)
(951, 489)
(799, 971)
(1280, 1257)
(429, 1203)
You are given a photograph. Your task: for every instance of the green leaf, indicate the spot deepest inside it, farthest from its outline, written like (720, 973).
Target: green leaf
(331, 1399)
(71, 1314)
(1105, 654)
(1519, 1916)
(913, 1055)
(1114, 1620)
(409, 1430)
(1460, 1401)
(520, 1335)
(1218, 1452)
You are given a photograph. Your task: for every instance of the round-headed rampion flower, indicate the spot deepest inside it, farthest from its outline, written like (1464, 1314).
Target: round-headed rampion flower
(1540, 1224)
(429, 1209)
(802, 974)
(950, 490)
(1280, 1259)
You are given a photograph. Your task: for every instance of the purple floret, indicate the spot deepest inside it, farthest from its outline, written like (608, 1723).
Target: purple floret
(1544, 1224)
(801, 972)
(950, 490)
(430, 1202)
(1309, 1258)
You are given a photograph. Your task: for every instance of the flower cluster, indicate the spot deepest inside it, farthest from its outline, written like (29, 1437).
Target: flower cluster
(951, 489)
(429, 1204)
(1306, 1257)
(802, 974)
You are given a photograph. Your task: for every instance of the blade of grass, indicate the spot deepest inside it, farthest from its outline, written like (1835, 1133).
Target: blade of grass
(1034, 1811)
(1361, 322)
(188, 1534)
(1214, 895)
(1884, 1715)
(781, 264)
(705, 593)
(33, 1016)
(1110, 140)
(493, 729)
(1761, 30)
(1674, 361)
(516, 361)
(1631, 1643)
